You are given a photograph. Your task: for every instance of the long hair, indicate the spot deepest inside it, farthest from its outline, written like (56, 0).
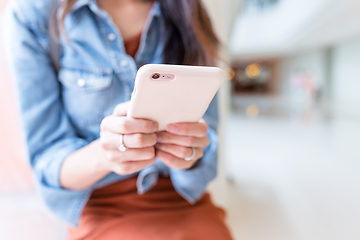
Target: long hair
(190, 39)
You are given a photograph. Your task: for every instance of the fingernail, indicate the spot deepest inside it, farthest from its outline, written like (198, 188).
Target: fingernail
(173, 128)
(154, 127)
(158, 138)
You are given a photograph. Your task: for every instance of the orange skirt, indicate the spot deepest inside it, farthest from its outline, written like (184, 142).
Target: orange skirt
(118, 212)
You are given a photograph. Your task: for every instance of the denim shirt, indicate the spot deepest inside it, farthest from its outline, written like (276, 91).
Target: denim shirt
(61, 110)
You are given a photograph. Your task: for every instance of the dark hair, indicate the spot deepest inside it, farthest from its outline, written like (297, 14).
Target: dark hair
(190, 40)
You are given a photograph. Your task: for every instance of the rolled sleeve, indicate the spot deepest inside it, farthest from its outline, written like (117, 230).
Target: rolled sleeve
(48, 170)
(191, 184)
(49, 134)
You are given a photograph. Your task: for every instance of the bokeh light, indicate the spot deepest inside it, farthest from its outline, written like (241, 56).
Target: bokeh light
(231, 73)
(252, 111)
(253, 70)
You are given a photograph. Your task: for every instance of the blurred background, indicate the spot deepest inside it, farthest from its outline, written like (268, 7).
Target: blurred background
(290, 129)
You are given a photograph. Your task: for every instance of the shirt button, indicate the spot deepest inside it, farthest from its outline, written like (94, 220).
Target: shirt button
(111, 36)
(81, 82)
(124, 63)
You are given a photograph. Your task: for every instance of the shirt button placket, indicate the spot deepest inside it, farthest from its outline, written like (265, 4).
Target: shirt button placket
(111, 36)
(124, 63)
(81, 83)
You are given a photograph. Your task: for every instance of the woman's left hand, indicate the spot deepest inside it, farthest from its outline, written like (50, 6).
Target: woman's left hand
(178, 143)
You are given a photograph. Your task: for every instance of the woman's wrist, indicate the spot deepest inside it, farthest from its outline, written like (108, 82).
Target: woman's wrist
(84, 167)
(100, 165)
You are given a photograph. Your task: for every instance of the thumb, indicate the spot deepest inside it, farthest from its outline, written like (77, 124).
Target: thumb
(122, 109)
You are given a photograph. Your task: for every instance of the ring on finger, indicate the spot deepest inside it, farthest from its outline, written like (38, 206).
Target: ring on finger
(122, 147)
(192, 156)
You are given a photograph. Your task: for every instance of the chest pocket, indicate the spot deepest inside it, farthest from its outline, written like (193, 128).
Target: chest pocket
(85, 94)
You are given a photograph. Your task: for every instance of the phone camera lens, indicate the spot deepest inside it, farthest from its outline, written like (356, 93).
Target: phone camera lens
(155, 76)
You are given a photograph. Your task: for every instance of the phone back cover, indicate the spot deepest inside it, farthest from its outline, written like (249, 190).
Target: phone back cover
(184, 99)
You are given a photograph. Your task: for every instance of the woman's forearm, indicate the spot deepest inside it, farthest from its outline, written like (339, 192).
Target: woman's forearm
(83, 168)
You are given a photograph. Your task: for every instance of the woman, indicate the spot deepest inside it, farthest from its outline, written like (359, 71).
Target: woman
(74, 99)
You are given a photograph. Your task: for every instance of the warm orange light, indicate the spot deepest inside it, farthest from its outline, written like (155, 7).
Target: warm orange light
(252, 111)
(253, 70)
(231, 73)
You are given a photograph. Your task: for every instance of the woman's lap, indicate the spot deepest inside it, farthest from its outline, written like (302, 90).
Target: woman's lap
(118, 212)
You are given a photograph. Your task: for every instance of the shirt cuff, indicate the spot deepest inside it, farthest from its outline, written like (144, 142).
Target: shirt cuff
(48, 164)
(191, 184)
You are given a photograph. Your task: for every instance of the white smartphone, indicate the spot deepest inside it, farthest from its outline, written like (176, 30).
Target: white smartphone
(174, 93)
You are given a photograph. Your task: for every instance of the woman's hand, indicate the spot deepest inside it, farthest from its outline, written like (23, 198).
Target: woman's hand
(138, 136)
(86, 166)
(177, 143)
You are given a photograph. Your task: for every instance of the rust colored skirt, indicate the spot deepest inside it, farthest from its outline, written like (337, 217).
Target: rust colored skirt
(118, 212)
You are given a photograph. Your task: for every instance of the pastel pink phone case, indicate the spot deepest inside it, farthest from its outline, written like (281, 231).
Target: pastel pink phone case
(178, 94)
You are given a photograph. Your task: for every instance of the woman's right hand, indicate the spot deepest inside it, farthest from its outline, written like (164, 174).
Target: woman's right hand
(138, 136)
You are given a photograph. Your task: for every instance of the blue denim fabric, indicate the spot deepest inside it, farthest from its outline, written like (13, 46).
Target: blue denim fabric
(61, 112)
